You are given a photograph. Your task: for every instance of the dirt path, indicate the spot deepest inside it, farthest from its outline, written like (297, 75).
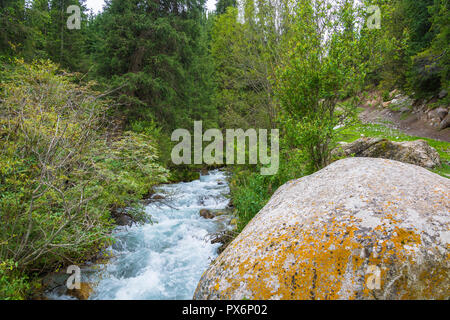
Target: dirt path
(410, 124)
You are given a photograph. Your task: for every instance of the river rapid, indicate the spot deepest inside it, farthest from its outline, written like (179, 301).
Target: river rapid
(166, 258)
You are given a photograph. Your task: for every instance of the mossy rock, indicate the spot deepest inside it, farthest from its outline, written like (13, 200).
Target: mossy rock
(417, 152)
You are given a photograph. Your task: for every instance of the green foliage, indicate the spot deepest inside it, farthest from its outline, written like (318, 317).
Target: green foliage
(318, 72)
(425, 74)
(13, 30)
(429, 67)
(159, 58)
(13, 285)
(412, 47)
(417, 18)
(61, 170)
(250, 190)
(37, 30)
(245, 53)
(222, 5)
(128, 168)
(60, 44)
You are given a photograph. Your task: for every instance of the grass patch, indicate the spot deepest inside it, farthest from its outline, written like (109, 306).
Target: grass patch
(354, 132)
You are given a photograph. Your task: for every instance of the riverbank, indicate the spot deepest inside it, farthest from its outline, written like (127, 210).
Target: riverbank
(66, 165)
(164, 259)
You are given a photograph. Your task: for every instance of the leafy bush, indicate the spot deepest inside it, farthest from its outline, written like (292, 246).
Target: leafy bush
(318, 72)
(62, 171)
(13, 286)
(425, 74)
(386, 96)
(126, 169)
(251, 191)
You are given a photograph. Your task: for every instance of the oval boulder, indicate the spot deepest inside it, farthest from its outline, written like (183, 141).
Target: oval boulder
(361, 228)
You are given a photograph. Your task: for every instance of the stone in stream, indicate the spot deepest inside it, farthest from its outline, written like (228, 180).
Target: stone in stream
(417, 152)
(207, 214)
(361, 228)
(83, 293)
(158, 197)
(122, 218)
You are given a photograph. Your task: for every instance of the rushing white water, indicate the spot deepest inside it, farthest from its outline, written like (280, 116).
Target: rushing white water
(166, 259)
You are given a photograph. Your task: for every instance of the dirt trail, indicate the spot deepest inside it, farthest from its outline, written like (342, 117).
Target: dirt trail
(410, 124)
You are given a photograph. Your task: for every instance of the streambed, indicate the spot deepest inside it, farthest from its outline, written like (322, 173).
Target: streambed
(164, 259)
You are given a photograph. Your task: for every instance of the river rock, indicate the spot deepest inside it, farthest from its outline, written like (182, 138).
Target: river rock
(417, 152)
(124, 220)
(83, 293)
(361, 228)
(220, 212)
(207, 214)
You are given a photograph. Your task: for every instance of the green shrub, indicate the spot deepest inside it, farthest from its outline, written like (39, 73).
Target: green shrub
(13, 285)
(386, 96)
(62, 171)
(251, 191)
(424, 78)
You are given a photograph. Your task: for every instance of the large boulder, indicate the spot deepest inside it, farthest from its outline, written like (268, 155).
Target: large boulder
(359, 229)
(417, 152)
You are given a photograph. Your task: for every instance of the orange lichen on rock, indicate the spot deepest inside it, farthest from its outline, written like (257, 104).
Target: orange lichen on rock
(341, 234)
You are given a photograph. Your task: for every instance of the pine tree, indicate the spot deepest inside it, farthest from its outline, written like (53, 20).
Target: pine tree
(158, 51)
(12, 26)
(63, 45)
